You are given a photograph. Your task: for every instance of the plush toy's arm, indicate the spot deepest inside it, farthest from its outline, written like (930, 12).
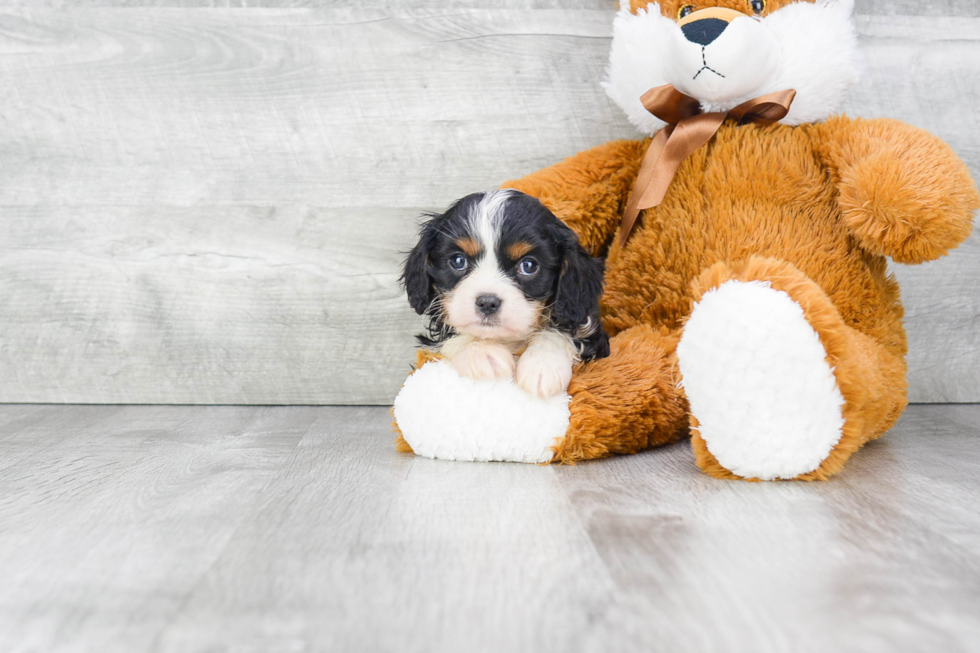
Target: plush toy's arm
(903, 191)
(589, 190)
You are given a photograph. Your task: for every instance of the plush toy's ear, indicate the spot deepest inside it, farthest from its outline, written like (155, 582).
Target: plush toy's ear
(415, 275)
(579, 285)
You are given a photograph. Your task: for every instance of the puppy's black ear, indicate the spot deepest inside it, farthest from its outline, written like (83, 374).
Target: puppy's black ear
(576, 309)
(579, 285)
(415, 275)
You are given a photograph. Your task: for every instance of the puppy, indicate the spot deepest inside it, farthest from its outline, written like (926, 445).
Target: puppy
(499, 276)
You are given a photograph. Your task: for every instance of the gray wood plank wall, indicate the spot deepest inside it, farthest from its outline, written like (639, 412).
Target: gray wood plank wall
(204, 201)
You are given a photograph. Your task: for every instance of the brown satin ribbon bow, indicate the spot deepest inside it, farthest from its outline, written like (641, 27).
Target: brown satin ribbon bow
(687, 129)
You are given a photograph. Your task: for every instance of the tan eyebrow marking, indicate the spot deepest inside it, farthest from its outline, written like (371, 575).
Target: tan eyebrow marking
(469, 246)
(518, 249)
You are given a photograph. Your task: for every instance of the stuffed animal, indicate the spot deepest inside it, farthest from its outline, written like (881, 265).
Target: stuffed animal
(747, 294)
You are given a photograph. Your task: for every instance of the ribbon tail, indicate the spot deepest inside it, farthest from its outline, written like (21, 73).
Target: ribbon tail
(686, 132)
(686, 137)
(650, 159)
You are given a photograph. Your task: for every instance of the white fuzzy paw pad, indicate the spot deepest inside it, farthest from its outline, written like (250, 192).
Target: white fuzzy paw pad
(758, 382)
(442, 414)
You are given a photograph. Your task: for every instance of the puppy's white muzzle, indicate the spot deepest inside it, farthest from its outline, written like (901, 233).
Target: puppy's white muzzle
(514, 318)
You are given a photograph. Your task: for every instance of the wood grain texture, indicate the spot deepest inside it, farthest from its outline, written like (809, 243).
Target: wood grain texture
(388, 5)
(108, 502)
(206, 206)
(918, 7)
(866, 7)
(249, 305)
(193, 529)
(914, 70)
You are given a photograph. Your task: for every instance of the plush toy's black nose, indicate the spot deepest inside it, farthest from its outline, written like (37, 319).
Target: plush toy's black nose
(488, 304)
(704, 31)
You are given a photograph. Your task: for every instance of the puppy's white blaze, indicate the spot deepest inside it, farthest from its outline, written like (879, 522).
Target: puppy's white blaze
(484, 223)
(517, 316)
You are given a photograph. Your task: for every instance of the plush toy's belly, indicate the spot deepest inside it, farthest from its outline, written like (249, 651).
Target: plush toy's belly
(752, 191)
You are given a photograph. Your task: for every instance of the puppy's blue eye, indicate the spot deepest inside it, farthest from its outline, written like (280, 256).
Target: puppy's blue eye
(458, 262)
(527, 267)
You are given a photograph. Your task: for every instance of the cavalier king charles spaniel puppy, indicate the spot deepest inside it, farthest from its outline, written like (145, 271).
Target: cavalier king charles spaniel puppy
(509, 292)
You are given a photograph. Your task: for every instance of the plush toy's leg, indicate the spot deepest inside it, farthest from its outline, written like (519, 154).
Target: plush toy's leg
(626, 402)
(779, 386)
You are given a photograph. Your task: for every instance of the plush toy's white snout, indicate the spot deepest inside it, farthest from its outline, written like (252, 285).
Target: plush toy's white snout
(719, 55)
(810, 47)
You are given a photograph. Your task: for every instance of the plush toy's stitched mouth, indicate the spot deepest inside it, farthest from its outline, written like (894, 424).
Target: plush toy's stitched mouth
(705, 66)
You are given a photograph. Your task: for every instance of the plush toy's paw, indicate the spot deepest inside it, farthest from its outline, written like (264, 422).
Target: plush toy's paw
(906, 214)
(543, 374)
(904, 192)
(765, 400)
(444, 415)
(484, 360)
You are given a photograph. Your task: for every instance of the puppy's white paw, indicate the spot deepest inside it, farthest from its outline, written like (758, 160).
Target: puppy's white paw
(544, 373)
(484, 360)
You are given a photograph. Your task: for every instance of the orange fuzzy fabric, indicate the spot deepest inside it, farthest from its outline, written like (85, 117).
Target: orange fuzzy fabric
(812, 209)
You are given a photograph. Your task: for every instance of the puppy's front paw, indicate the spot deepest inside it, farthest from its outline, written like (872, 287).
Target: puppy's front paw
(543, 374)
(484, 360)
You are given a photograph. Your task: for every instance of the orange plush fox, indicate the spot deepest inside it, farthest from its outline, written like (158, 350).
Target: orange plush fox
(746, 287)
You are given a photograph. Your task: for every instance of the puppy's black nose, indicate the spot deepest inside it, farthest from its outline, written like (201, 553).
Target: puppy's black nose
(704, 31)
(488, 304)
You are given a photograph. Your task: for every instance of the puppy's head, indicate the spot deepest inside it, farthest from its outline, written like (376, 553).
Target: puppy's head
(501, 266)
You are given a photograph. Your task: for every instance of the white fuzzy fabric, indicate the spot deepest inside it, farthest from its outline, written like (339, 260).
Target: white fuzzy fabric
(444, 415)
(758, 382)
(809, 47)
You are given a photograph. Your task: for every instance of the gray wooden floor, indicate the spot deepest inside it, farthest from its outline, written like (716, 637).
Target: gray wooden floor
(301, 529)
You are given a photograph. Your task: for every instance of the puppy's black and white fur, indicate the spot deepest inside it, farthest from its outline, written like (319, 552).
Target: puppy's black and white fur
(499, 275)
